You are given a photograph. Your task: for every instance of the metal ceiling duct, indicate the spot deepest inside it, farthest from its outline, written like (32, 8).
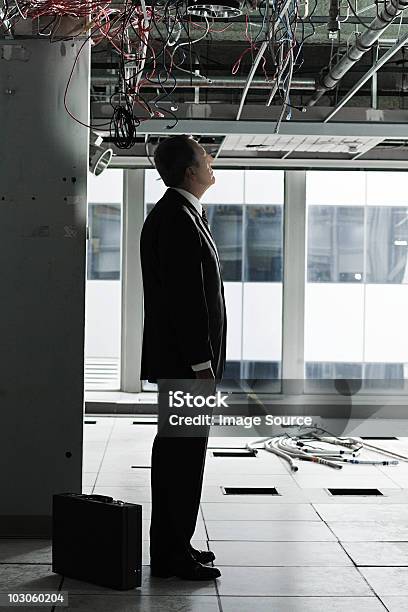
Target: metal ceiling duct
(368, 75)
(364, 43)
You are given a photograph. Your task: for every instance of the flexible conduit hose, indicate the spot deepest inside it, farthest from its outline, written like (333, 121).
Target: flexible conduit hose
(303, 448)
(290, 446)
(377, 449)
(269, 446)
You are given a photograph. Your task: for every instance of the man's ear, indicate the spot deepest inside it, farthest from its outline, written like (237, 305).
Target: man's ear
(189, 173)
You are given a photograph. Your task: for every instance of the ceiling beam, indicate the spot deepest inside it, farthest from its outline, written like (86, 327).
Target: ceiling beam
(293, 128)
(127, 161)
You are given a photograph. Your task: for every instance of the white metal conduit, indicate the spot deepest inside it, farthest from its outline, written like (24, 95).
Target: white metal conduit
(368, 75)
(364, 42)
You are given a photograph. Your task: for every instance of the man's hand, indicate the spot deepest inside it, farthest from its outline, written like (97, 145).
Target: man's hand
(205, 374)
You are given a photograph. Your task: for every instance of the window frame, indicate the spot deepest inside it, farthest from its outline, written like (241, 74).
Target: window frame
(91, 208)
(294, 289)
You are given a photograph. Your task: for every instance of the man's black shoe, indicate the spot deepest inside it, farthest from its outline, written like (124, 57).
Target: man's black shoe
(202, 556)
(191, 570)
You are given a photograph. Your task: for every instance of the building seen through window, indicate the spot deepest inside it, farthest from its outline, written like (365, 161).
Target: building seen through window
(357, 279)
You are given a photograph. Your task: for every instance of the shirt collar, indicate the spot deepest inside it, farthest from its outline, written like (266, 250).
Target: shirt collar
(191, 198)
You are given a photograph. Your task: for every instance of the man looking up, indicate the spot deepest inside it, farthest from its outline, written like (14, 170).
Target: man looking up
(184, 338)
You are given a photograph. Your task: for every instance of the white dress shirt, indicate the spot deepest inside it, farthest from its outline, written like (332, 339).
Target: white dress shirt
(191, 198)
(197, 205)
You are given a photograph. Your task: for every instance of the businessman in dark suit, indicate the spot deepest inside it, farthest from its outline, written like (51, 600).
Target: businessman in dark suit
(184, 338)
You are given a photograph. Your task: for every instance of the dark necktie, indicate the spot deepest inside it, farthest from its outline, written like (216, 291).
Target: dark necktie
(205, 221)
(204, 218)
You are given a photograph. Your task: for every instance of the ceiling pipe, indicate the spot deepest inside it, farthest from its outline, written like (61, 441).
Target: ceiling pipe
(364, 43)
(304, 84)
(128, 161)
(371, 72)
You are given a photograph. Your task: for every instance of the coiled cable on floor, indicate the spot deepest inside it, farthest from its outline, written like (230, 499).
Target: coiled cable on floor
(290, 447)
(307, 447)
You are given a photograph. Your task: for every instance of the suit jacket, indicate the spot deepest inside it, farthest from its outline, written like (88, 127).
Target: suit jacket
(184, 308)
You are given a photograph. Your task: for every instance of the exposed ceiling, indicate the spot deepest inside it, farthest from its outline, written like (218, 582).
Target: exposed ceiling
(214, 57)
(206, 91)
(247, 85)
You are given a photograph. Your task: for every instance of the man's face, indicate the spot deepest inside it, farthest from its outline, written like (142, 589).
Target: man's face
(203, 174)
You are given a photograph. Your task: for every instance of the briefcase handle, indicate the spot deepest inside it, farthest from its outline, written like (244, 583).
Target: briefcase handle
(102, 498)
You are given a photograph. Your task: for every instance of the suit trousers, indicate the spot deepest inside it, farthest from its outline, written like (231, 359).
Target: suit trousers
(177, 469)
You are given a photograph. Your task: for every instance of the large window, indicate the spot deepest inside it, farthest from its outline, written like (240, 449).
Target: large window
(245, 212)
(336, 238)
(103, 287)
(104, 223)
(263, 240)
(354, 313)
(226, 227)
(357, 279)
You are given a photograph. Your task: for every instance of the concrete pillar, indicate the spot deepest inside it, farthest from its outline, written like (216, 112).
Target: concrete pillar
(43, 178)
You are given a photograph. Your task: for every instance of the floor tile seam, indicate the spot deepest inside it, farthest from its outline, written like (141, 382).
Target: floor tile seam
(304, 596)
(380, 598)
(267, 566)
(355, 566)
(104, 453)
(130, 594)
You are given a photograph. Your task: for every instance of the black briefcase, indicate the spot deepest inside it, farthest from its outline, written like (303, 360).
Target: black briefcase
(97, 539)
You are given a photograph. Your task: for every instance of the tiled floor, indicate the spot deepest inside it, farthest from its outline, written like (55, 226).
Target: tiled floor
(301, 551)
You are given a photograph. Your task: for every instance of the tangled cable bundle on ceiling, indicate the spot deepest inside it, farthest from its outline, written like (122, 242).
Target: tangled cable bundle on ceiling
(156, 43)
(319, 446)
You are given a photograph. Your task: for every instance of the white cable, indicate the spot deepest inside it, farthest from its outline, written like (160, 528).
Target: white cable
(303, 448)
(271, 447)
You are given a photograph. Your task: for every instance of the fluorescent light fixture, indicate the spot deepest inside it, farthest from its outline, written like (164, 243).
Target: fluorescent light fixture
(215, 9)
